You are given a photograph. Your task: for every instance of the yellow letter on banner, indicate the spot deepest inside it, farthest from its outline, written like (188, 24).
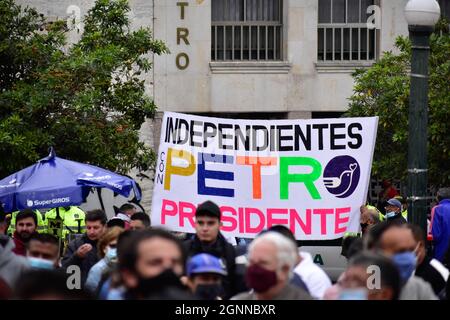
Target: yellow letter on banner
(181, 171)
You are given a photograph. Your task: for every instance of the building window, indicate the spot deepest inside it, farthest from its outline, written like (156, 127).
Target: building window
(246, 30)
(342, 31)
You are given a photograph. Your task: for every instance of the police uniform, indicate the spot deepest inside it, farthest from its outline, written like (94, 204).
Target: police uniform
(71, 221)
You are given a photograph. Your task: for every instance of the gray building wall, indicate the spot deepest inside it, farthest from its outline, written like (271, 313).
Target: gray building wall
(297, 86)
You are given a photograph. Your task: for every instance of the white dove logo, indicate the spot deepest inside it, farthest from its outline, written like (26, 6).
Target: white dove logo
(345, 177)
(30, 203)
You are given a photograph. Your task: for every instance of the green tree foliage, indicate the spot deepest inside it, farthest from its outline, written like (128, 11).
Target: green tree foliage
(86, 99)
(383, 90)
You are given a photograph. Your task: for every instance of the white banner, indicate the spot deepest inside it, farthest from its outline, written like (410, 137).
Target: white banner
(309, 175)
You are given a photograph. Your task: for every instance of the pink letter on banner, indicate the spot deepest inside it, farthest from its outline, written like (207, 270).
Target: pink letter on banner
(166, 211)
(248, 227)
(323, 218)
(339, 220)
(187, 211)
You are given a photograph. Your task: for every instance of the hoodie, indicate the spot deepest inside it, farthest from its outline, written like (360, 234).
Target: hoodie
(20, 247)
(11, 265)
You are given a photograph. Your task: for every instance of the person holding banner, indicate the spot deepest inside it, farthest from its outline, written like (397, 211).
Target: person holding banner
(208, 239)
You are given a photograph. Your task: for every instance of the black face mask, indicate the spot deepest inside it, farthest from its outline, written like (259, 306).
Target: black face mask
(208, 291)
(164, 280)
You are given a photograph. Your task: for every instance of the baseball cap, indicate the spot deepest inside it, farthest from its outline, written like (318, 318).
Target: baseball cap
(394, 202)
(205, 263)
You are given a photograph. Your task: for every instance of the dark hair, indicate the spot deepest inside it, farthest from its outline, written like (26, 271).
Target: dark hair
(115, 222)
(27, 213)
(96, 215)
(44, 238)
(284, 231)
(373, 236)
(443, 193)
(208, 209)
(2, 217)
(389, 274)
(126, 207)
(141, 217)
(128, 249)
(351, 245)
(123, 242)
(36, 283)
(386, 225)
(417, 232)
(355, 248)
(403, 200)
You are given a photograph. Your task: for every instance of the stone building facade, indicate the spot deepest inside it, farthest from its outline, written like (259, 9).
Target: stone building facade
(253, 58)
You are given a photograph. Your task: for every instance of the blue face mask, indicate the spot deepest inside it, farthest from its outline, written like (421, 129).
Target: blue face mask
(406, 264)
(353, 294)
(39, 263)
(111, 254)
(390, 214)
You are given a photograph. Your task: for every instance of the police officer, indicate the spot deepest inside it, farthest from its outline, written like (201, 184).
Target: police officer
(72, 219)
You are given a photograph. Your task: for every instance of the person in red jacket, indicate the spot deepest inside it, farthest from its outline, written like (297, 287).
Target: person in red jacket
(26, 225)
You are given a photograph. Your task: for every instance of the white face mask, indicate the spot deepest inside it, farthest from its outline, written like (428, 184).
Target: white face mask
(39, 263)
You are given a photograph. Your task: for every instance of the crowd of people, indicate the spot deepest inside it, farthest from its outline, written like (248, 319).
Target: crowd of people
(126, 258)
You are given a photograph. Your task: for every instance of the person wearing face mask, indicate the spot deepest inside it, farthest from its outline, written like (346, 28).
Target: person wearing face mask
(151, 263)
(429, 269)
(353, 285)
(205, 274)
(397, 243)
(272, 258)
(368, 219)
(106, 249)
(394, 212)
(43, 251)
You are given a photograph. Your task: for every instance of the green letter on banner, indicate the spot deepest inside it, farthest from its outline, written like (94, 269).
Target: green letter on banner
(306, 178)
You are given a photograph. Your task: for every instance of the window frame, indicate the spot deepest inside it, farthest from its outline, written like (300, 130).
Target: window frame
(340, 64)
(277, 54)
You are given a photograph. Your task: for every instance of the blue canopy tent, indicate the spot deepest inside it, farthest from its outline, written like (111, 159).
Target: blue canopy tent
(55, 182)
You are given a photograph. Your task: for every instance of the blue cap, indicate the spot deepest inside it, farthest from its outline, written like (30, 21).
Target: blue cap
(394, 202)
(205, 263)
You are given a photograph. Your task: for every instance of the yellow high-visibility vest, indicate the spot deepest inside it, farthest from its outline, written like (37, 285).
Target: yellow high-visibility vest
(41, 227)
(71, 221)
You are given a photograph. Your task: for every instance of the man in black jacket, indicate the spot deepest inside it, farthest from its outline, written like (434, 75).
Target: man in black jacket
(208, 239)
(429, 269)
(83, 251)
(394, 212)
